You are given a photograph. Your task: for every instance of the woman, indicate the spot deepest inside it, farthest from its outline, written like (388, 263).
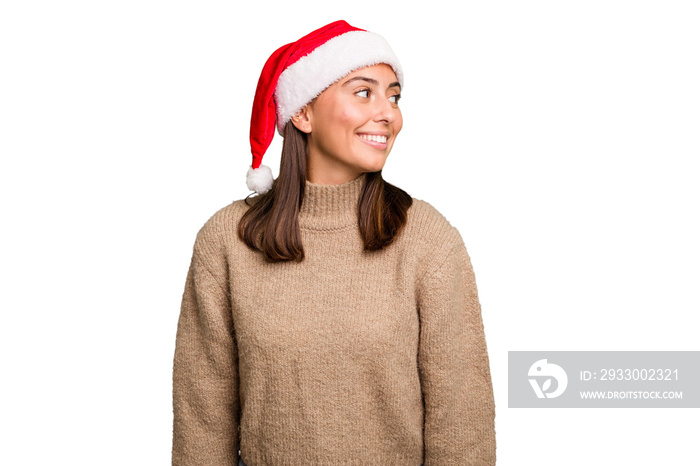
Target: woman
(332, 319)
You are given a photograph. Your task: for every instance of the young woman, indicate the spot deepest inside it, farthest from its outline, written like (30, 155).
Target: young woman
(332, 318)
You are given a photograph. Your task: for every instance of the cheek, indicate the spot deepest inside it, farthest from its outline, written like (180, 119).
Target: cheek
(398, 123)
(351, 117)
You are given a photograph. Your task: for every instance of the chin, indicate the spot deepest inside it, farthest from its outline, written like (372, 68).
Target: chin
(372, 168)
(371, 164)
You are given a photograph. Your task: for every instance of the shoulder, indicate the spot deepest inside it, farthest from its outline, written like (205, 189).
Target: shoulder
(430, 234)
(220, 229)
(426, 224)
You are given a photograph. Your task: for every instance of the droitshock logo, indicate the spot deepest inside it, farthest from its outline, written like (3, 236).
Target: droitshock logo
(546, 371)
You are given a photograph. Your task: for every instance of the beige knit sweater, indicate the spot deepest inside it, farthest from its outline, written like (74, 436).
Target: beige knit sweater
(346, 358)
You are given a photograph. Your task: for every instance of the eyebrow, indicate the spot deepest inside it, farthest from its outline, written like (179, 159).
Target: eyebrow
(371, 81)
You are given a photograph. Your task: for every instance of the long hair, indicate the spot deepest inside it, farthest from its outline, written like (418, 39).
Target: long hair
(271, 225)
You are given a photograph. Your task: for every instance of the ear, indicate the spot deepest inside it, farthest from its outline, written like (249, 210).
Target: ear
(302, 120)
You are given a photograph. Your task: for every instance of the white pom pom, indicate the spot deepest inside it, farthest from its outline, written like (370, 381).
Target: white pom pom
(259, 179)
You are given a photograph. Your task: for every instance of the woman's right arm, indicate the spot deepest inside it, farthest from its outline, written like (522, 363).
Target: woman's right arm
(206, 410)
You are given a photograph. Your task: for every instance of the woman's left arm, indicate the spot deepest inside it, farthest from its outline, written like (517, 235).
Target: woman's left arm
(454, 365)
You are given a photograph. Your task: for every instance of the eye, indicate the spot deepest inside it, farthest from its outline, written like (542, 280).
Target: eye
(363, 91)
(396, 98)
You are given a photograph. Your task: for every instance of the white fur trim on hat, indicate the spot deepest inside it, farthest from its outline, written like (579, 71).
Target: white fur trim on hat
(306, 79)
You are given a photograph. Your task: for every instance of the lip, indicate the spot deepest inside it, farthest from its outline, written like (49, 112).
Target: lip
(373, 144)
(375, 133)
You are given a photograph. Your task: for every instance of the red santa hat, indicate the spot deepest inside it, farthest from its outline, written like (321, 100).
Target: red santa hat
(297, 73)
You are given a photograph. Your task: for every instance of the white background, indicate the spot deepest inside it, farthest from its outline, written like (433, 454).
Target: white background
(561, 138)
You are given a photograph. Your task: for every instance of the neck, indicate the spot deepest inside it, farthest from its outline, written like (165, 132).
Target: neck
(331, 206)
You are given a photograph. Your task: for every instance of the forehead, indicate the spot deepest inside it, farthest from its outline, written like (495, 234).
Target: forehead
(380, 72)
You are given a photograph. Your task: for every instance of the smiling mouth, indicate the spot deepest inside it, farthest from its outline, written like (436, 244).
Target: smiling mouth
(375, 141)
(373, 138)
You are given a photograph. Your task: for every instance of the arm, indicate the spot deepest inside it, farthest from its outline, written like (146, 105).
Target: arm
(205, 370)
(454, 366)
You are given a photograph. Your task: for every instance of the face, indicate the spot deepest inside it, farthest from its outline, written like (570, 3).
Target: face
(352, 125)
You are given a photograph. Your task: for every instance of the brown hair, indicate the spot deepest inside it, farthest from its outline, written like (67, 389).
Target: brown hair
(271, 224)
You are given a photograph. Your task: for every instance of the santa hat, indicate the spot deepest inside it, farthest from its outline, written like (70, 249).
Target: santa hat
(297, 73)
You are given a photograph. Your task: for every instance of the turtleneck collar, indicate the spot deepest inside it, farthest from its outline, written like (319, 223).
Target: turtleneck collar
(331, 206)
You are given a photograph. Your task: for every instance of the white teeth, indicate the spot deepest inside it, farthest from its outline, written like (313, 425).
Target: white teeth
(369, 137)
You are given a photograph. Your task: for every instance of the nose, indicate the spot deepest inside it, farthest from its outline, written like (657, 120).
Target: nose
(385, 112)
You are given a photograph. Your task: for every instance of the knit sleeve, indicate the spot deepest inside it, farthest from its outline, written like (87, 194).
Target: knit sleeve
(206, 412)
(454, 366)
